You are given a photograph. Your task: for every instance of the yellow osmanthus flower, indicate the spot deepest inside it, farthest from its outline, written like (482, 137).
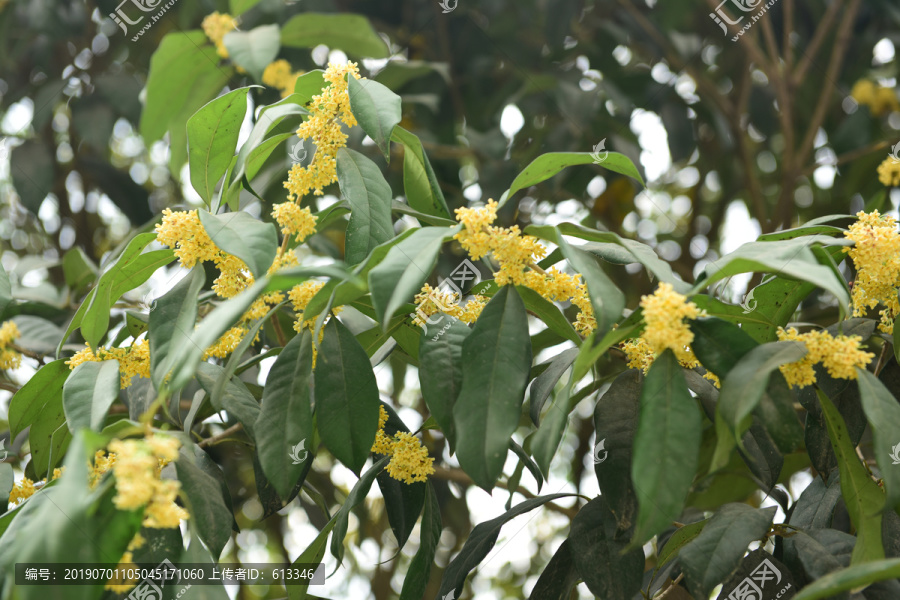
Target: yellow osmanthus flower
(323, 127)
(409, 462)
(293, 220)
(137, 469)
(431, 301)
(9, 358)
(665, 315)
(132, 361)
(889, 172)
(880, 99)
(279, 75)
(101, 465)
(876, 256)
(641, 356)
(126, 566)
(839, 355)
(215, 26)
(25, 487)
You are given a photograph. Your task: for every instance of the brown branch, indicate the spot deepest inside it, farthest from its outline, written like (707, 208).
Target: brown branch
(219, 437)
(850, 156)
(672, 586)
(818, 37)
(28, 353)
(786, 41)
(771, 45)
(459, 476)
(8, 387)
(757, 198)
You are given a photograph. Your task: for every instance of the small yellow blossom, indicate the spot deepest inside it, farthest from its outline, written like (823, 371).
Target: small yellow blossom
(839, 355)
(215, 26)
(184, 233)
(383, 444)
(134, 360)
(9, 358)
(889, 172)
(102, 464)
(22, 490)
(409, 462)
(279, 75)
(126, 567)
(665, 312)
(876, 256)
(880, 99)
(294, 220)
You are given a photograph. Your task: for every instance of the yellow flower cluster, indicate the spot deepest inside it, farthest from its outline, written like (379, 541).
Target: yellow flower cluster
(279, 75)
(126, 566)
(517, 254)
(102, 464)
(25, 488)
(9, 358)
(889, 172)
(294, 220)
(215, 26)
(327, 110)
(665, 313)
(431, 301)
(137, 469)
(880, 100)
(134, 360)
(410, 462)
(876, 256)
(839, 355)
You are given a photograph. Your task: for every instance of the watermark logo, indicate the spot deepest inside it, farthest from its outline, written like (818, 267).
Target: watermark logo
(450, 595)
(295, 452)
(721, 17)
(298, 153)
(895, 152)
(600, 452)
(751, 587)
(5, 452)
(449, 287)
(749, 303)
(149, 590)
(447, 6)
(148, 302)
(600, 153)
(895, 455)
(123, 17)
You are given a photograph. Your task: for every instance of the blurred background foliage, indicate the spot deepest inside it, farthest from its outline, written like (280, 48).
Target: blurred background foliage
(734, 138)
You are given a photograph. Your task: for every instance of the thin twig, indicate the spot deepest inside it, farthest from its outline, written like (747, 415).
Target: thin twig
(882, 358)
(672, 586)
(850, 156)
(211, 441)
(818, 37)
(26, 352)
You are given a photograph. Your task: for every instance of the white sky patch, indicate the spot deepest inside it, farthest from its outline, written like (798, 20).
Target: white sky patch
(511, 121)
(654, 141)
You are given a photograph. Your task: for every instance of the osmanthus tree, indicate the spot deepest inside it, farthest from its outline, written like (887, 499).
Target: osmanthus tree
(691, 395)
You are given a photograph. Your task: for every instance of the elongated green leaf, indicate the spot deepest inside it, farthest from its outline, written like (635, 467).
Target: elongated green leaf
(212, 139)
(309, 84)
(399, 277)
(235, 398)
(377, 109)
(49, 437)
(666, 447)
(238, 7)
(496, 365)
(5, 290)
(480, 542)
(369, 196)
(547, 165)
(558, 577)
(423, 192)
(27, 405)
(209, 510)
(853, 577)
(607, 300)
(546, 439)
(184, 73)
(253, 50)
(313, 554)
(719, 548)
(429, 538)
(883, 413)
(544, 383)
(746, 382)
(679, 539)
(719, 345)
(346, 397)
(172, 324)
(89, 392)
(286, 415)
(357, 495)
(246, 237)
(351, 33)
(598, 556)
(615, 423)
(863, 497)
(441, 372)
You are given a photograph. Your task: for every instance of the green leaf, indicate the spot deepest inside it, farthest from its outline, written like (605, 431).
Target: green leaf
(441, 372)
(598, 556)
(545, 441)
(479, 544)
(312, 555)
(679, 539)
(746, 382)
(208, 509)
(357, 495)
(78, 269)
(558, 577)
(308, 85)
(49, 437)
(853, 577)
(883, 413)
(615, 423)
(369, 195)
(248, 238)
(27, 405)
(790, 258)
(547, 165)
(719, 345)
(607, 300)
(239, 7)
(351, 33)
(346, 396)
(719, 548)
(89, 392)
(666, 447)
(212, 139)
(863, 497)
(544, 383)
(6, 289)
(377, 109)
(495, 370)
(172, 324)
(399, 277)
(184, 73)
(235, 398)
(423, 192)
(429, 537)
(286, 415)
(253, 50)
